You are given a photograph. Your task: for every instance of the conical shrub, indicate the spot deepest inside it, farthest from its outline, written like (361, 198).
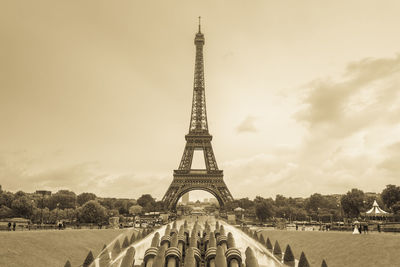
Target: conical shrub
(89, 259)
(133, 238)
(139, 235)
(268, 244)
(303, 262)
(116, 249)
(277, 250)
(128, 259)
(324, 264)
(125, 244)
(67, 264)
(255, 236)
(104, 258)
(288, 257)
(261, 239)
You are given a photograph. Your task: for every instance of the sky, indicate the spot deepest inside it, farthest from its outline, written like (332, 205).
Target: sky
(302, 96)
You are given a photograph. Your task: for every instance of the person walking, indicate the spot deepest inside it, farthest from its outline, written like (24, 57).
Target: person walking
(9, 226)
(14, 226)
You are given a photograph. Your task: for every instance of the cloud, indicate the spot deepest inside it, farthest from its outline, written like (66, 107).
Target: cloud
(268, 174)
(392, 161)
(368, 93)
(17, 172)
(247, 125)
(350, 140)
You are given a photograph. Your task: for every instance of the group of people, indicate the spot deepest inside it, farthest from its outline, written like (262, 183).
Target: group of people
(14, 225)
(362, 227)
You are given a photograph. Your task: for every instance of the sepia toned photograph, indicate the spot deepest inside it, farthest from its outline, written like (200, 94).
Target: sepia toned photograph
(260, 133)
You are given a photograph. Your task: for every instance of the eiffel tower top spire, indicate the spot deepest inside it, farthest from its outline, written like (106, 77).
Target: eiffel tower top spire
(199, 24)
(198, 119)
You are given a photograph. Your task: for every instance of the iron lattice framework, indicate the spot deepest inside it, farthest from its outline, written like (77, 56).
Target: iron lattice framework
(185, 178)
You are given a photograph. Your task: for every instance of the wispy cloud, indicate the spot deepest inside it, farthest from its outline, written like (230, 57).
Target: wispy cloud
(367, 93)
(391, 162)
(247, 125)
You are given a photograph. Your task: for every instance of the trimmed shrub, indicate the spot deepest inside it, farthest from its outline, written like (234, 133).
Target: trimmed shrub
(277, 250)
(125, 244)
(324, 264)
(133, 238)
(89, 259)
(288, 257)
(67, 264)
(129, 258)
(268, 244)
(116, 249)
(255, 236)
(104, 258)
(261, 239)
(303, 262)
(139, 235)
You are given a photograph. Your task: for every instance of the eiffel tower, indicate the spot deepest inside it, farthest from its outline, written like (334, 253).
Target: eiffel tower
(185, 178)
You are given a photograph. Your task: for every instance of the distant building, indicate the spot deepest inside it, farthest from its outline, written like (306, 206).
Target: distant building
(43, 192)
(185, 198)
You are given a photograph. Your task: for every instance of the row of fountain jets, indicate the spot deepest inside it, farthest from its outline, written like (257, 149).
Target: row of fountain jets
(178, 248)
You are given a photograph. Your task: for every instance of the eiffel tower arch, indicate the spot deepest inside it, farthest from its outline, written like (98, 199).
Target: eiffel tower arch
(185, 178)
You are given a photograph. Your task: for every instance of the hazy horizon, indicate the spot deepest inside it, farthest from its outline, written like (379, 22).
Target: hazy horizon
(301, 97)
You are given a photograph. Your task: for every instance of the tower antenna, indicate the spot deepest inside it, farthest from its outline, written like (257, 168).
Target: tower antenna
(199, 23)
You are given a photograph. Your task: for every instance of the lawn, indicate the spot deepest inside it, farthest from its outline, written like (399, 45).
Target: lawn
(52, 247)
(340, 248)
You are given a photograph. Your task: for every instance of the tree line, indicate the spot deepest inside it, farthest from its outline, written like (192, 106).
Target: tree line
(319, 207)
(67, 206)
(88, 208)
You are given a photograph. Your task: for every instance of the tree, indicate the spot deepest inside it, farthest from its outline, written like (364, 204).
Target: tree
(6, 198)
(5, 212)
(316, 202)
(264, 209)
(353, 202)
(231, 205)
(112, 213)
(22, 206)
(147, 202)
(122, 205)
(92, 212)
(135, 209)
(63, 199)
(159, 206)
(144, 199)
(85, 197)
(245, 203)
(280, 201)
(390, 195)
(396, 207)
